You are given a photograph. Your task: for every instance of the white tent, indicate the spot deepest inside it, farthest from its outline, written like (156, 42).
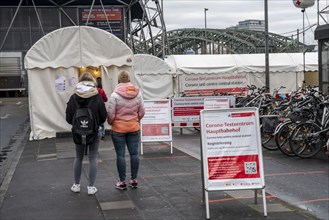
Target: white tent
(52, 64)
(286, 69)
(154, 76)
(225, 72)
(201, 73)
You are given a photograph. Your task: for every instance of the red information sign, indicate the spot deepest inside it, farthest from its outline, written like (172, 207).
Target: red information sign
(233, 167)
(100, 16)
(155, 130)
(109, 19)
(187, 109)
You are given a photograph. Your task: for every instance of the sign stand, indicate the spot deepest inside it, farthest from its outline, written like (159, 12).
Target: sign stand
(231, 152)
(156, 123)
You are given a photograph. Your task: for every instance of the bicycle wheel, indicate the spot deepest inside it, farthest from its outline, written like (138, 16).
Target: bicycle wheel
(303, 143)
(281, 138)
(266, 139)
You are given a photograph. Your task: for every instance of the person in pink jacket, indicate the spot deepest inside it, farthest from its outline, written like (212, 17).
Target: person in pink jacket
(125, 110)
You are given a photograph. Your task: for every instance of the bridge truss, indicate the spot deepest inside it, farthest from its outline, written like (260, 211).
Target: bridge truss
(229, 41)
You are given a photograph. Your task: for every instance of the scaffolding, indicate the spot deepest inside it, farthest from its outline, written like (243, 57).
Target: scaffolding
(140, 25)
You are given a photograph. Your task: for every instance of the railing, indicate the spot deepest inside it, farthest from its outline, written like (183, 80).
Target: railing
(16, 90)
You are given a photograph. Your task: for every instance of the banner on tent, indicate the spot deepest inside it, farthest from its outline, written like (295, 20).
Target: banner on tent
(213, 84)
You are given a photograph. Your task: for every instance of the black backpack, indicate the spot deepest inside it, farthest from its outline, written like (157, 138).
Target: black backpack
(84, 125)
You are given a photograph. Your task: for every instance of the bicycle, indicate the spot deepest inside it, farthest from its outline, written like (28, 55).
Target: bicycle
(308, 138)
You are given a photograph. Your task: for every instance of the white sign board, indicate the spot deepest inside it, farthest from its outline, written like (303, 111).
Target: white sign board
(156, 123)
(216, 103)
(187, 109)
(231, 149)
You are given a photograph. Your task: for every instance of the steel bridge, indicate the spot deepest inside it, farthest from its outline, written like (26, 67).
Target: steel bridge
(230, 41)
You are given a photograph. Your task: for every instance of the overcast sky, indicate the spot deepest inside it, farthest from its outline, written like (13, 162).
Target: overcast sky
(283, 17)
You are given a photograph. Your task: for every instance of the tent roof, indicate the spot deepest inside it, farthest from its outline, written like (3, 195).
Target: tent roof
(278, 62)
(78, 46)
(145, 64)
(225, 63)
(311, 61)
(203, 64)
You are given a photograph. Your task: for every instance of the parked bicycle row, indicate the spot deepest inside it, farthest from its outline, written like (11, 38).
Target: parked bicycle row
(296, 124)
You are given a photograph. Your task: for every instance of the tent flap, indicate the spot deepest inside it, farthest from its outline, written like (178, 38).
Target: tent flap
(54, 49)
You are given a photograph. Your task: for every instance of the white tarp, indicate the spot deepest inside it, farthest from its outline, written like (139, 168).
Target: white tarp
(52, 64)
(285, 69)
(203, 64)
(77, 46)
(154, 76)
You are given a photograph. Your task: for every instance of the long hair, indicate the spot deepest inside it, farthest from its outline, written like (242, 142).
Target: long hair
(86, 76)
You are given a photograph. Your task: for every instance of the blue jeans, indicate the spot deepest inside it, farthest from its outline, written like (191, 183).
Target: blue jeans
(120, 140)
(93, 166)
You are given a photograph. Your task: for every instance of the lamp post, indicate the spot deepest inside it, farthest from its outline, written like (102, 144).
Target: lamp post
(267, 65)
(205, 29)
(205, 18)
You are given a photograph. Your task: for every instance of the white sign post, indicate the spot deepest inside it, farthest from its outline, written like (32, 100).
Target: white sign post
(156, 123)
(231, 151)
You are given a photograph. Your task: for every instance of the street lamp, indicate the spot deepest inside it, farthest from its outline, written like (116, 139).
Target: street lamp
(205, 18)
(205, 29)
(267, 59)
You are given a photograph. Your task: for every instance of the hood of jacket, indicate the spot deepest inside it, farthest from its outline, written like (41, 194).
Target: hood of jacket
(127, 90)
(85, 89)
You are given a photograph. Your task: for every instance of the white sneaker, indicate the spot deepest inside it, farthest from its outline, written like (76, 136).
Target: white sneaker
(75, 188)
(91, 190)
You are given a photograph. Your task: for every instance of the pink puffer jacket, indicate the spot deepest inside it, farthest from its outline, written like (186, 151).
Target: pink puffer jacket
(125, 109)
